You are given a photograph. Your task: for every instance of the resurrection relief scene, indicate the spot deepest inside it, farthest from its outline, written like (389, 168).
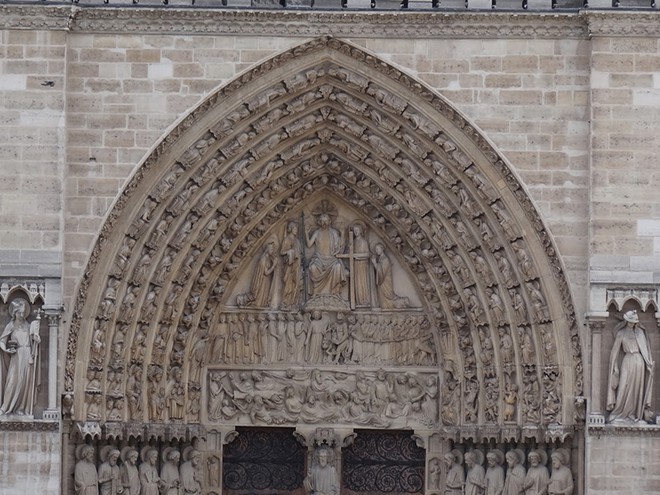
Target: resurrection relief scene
(334, 285)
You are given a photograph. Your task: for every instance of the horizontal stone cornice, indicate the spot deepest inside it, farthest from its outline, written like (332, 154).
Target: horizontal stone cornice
(346, 23)
(628, 24)
(313, 23)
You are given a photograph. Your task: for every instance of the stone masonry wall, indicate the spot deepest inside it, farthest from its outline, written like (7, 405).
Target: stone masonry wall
(32, 152)
(623, 463)
(30, 462)
(625, 177)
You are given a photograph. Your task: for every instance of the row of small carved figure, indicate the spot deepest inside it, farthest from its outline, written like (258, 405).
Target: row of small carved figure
(314, 339)
(465, 473)
(114, 477)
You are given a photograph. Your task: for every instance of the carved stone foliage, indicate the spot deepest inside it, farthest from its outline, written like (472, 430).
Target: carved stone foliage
(323, 194)
(377, 398)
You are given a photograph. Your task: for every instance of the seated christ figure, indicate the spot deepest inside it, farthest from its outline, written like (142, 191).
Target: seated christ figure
(326, 272)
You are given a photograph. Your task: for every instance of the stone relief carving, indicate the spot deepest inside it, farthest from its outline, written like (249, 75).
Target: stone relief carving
(377, 398)
(235, 243)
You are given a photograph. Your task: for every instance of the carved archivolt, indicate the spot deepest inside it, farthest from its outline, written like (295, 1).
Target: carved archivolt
(190, 249)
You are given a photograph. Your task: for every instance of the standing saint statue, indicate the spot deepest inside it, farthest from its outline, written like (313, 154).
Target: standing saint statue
(19, 346)
(291, 253)
(360, 272)
(261, 284)
(387, 298)
(630, 373)
(326, 271)
(322, 477)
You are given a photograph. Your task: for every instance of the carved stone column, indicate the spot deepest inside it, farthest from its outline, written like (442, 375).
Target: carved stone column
(53, 314)
(596, 410)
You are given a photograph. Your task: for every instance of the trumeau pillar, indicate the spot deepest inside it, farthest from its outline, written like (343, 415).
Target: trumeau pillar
(54, 315)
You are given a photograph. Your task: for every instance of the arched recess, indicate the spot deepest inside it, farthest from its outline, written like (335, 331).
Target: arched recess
(327, 120)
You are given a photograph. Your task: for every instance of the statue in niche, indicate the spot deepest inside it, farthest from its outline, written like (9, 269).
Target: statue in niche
(85, 477)
(108, 474)
(262, 280)
(494, 472)
(291, 252)
(387, 298)
(19, 359)
(537, 478)
(189, 472)
(149, 480)
(213, 471)
(455, 475)
(475, 481)
(515, 475)
(326, 271)
(435, 472)
(322, 477)
(169, 473)
(630, 380)
(128, 472)
(561, 481)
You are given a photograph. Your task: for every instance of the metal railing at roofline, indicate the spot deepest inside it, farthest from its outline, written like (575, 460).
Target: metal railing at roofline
(376, 5)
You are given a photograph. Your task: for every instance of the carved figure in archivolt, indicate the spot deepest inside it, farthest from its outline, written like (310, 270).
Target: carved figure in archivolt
(326, 271)
(85, 477)
(630, 380)
(284, 397)
(291, 252)
(322, 477)
(19, 358)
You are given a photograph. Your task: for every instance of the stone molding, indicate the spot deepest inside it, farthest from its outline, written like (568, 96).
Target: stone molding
(475, 25)
(29, 425)
(622, 24)
(314, 23)
(624, 430)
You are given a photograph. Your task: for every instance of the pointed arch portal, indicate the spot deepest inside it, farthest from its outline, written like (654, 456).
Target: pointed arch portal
(478, 317)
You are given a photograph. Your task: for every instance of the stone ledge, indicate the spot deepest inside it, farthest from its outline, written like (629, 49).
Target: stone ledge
(355, 24)
(580, 24)
(624, 430)
(29, 425)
